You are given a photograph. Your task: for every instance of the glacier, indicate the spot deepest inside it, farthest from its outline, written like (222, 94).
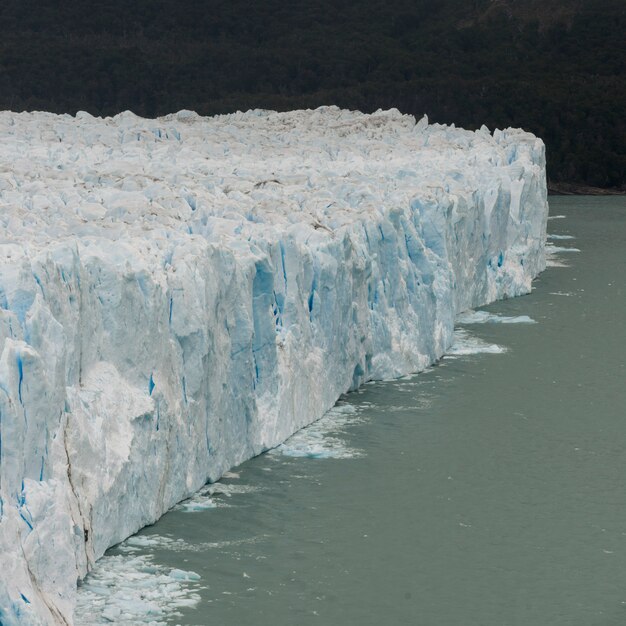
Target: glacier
(180, 294)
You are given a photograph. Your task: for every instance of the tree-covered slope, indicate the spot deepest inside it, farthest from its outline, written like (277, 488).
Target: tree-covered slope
(554, 67)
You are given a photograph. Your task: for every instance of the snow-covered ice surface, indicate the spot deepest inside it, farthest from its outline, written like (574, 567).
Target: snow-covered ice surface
(178, 295)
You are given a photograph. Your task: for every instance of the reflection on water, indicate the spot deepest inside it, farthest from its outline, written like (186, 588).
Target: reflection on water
(489, 490)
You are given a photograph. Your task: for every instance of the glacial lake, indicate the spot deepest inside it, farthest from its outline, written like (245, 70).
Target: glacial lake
(489, 490)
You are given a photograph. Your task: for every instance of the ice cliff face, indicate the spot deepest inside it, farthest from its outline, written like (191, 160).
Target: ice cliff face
(180, 294)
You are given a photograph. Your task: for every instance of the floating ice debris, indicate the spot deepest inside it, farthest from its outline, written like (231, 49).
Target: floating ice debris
(557, 217)
(551, 248)
(228, 489)
(553, 236)
(179, 574)
(132, 590)
(320, 440)
(551, 251)
(159, 542)
(204, 499)
(198, 502)
(484, 317)
(466, 344)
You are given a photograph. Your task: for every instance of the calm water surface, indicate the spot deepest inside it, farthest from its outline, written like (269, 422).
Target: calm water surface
(490, 490)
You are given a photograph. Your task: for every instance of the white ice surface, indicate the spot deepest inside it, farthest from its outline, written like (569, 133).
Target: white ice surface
(132, 590)
(178, 295)
(484, 317)
(322, 439)
(552, 252)
(213, 496)
(466, 344)
(552, 249)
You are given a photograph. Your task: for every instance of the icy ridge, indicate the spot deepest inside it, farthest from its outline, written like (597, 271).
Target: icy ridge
(178, 295)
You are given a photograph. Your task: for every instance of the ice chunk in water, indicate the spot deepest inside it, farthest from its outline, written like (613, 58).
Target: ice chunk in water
(132, 590)
(466, 344)
(484, 317)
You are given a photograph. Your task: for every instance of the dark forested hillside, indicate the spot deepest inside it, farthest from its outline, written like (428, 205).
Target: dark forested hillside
(554, 67)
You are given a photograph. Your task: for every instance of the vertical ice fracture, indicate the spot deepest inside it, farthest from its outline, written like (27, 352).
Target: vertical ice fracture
(180, 294)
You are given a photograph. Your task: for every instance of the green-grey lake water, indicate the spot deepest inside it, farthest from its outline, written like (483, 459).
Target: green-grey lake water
(488, 491)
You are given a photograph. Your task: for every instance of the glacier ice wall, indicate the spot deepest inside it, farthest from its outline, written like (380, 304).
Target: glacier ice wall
(178, 295)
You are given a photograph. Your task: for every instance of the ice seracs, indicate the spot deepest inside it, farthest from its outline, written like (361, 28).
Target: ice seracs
(180, 294)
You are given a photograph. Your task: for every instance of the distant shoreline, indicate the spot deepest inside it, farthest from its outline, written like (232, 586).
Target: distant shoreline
(574, 189)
